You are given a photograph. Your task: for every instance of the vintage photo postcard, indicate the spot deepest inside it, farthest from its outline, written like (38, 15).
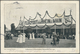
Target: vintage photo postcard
(39, 26)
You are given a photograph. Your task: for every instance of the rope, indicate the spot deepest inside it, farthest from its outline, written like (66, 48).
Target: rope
(66, 25)
(73, 19)
(34, 18)
(45, 15)
(40, 27)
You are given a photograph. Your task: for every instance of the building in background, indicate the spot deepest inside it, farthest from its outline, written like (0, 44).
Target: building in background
(62, 24)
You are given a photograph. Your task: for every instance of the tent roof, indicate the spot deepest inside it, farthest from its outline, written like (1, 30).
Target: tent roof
(21, 28)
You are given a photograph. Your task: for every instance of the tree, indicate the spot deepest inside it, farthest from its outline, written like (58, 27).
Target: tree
(4, 28)
(12, 28)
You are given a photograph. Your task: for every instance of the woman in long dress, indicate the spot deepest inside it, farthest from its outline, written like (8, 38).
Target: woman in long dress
(19, 40)
(33, 36)
(23, 37)
(18, 36)
(30, 36)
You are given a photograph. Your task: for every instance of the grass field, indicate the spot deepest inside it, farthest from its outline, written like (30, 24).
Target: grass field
(37, 43)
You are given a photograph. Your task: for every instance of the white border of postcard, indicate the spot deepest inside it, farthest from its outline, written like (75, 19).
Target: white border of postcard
(40, 50)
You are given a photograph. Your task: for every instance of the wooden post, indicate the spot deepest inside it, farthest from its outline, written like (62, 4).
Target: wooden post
(36, 30)
(63, 30)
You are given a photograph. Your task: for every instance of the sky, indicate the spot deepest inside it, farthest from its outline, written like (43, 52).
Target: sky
(13, 11)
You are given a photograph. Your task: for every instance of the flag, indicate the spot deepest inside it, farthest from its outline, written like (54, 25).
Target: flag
(67, 19)
(20, 18)
(47, 12)
(39, 14)
(24, 16)
(55, 14)
(64, 12)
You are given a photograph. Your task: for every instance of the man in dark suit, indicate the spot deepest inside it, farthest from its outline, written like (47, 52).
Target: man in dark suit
(54, 38)
(58, 38)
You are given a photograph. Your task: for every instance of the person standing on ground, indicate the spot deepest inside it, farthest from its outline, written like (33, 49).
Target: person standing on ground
(73, 36)
(58, 38)
(19, 37)
(54, 38)
(30, 36)
(44, 38)
(12, 36)
(33, 35)
(23, 37)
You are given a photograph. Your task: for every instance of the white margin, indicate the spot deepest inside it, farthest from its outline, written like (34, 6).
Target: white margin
(35, 50)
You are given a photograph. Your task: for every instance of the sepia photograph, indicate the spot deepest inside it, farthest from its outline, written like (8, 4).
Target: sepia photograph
(41, 25)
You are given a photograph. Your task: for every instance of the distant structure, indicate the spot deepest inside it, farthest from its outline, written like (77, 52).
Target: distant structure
(58, 23)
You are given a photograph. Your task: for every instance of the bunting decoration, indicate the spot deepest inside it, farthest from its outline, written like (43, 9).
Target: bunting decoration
(39, 14)
(45, 23)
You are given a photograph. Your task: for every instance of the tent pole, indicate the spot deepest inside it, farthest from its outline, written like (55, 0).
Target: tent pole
(55, 28)
(23, 25)
(63, 30)
(36, 30)
(63, 22)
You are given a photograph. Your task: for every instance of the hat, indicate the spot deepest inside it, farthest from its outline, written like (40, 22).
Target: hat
(18, 31)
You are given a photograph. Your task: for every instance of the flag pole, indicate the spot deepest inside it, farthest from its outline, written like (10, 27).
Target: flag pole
(71, 22)
(63, 29)
(63, 22)
(21, 23)
(36, 26)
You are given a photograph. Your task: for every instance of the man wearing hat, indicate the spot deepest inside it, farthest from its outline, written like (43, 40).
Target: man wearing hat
(44, 38)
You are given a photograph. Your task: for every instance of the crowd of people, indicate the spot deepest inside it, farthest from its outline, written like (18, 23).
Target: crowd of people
(8, 35)
(55, 38)
(21, 37)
